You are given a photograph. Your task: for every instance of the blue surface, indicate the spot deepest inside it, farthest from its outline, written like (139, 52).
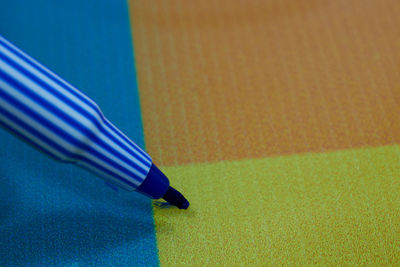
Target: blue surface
(53, 213)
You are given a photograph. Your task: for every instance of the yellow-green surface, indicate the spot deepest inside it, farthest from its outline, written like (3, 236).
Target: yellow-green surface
(333, 208)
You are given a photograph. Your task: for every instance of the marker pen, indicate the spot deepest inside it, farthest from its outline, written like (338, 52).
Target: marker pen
(53, 116)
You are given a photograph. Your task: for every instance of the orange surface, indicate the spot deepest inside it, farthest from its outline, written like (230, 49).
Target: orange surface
(245, 79)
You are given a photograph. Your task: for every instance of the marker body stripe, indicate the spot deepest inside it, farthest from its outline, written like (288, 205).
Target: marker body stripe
(61, 121)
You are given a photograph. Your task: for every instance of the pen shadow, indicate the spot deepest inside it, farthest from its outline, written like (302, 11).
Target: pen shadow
(64, 236)
(50, 215)
(76, 182)
(83, 185)
(6, 198)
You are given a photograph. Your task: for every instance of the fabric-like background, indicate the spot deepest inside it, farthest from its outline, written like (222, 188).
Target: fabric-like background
(278, 120)
(56, 214)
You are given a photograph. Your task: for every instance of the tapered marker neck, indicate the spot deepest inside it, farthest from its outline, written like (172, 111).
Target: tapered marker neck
(156, 185)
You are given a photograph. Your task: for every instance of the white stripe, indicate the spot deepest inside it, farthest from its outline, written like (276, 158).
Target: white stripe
(35, 64)
(112, 129)
(95, 170)
(27, 66)
(30, 136)
(51, 135)
(131, 144)
(47, 80)
(59, 122)
(66, 108)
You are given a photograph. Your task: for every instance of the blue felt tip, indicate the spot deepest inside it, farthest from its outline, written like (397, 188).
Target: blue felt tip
(175, 198)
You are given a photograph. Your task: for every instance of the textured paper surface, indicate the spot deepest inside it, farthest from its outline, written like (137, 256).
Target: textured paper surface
(339, 208)
(54, 214)
(226, 80)
(278, 119)
(280, 122)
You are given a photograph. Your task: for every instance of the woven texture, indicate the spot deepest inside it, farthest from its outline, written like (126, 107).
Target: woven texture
(54, 214)
(339, 208)
(225, 80)
(279, 120)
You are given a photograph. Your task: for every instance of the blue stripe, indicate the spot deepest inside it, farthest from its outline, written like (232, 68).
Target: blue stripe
(59, 148)
(21, 136)
(59, 131)
(56, 111)
(135, 147)
(46, 72)
(80, 127)
(36, 133)
(112, 127)
(82, 111)
(70, 89)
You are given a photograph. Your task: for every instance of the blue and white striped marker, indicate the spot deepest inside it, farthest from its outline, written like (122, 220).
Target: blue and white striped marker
(52, 115)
